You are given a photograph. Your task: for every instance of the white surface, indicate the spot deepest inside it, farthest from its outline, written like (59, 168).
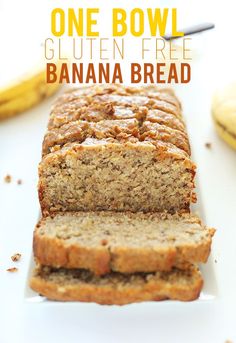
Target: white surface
(205, 321)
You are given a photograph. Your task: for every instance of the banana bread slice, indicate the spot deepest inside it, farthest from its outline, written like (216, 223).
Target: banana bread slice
(122, 242)
(116, 288)
(116, 148)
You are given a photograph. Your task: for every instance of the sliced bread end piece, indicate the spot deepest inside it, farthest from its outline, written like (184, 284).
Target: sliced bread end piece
(116, 288)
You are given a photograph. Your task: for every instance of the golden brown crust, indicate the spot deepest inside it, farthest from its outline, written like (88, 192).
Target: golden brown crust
(125, 258)
(81, 109)
(162, 150)
(113, 103)
(152, 92)
(157, 132)
(118, 131)
(52, 252)
(78, 131)
(75, 131)
(117, 289)
(167, 119)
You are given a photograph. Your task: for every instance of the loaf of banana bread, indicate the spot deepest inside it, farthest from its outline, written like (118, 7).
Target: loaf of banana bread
(116, 148)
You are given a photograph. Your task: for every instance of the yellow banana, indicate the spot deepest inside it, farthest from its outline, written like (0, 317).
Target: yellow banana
(24, 93)
(224, 114)
(26, 100)
(226, 136)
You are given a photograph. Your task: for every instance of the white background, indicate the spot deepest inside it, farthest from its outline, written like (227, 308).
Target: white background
(23, 26)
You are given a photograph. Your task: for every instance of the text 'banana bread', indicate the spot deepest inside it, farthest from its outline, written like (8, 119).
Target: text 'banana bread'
(116, 148)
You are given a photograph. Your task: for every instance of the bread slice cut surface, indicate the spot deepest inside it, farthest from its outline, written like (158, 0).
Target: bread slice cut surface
(122, 242)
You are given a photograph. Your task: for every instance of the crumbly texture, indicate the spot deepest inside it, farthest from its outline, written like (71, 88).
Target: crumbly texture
(8, 178)
(208, 145)
(16, 257)
(123, 242)
(12, 270)
(116, 288)
(116, 148)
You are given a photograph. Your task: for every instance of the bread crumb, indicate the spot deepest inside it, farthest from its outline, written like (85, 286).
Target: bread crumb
(12, 270)
(104, 242)
(208, 145)
(109, 109)
(8, 178)
(16, 257)
(194, 197)
(19, 182)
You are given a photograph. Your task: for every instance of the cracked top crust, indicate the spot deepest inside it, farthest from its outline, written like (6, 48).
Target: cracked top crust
(118, 114)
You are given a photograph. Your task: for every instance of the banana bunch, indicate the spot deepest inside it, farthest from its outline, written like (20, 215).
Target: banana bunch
(24, 93)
